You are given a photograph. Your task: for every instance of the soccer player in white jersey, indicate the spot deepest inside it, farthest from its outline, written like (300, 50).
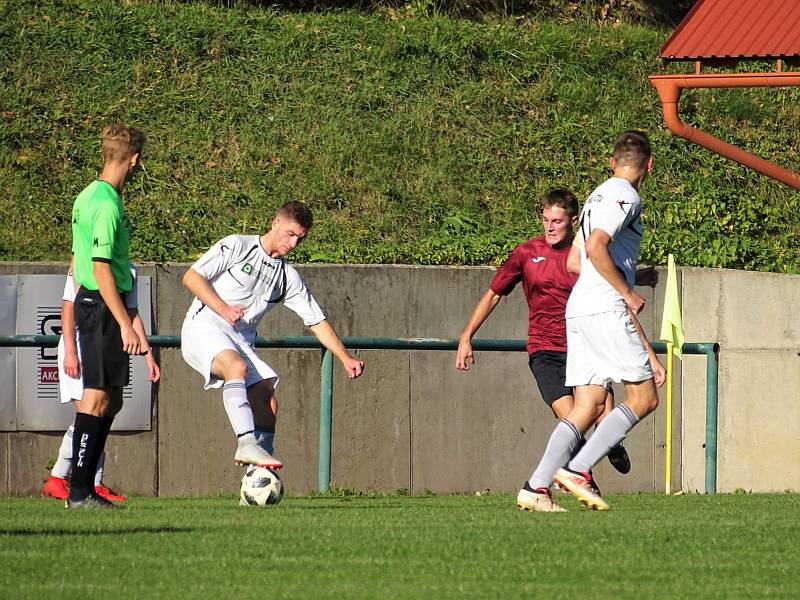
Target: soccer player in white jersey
(71, 388)
(605, 342)
(235, 283)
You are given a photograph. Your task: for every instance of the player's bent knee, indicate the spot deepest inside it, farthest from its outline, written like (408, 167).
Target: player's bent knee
(114, 404)
(228, 365)
(235, 370)
(93, 402)
(643, 403)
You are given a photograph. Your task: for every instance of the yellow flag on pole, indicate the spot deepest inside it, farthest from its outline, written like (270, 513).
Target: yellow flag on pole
(671, 322)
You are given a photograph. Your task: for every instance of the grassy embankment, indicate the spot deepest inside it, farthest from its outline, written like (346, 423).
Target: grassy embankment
(416, 140)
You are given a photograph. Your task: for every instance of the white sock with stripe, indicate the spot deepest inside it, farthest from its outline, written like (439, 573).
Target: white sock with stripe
(563, 443)
(234, 397)
(611, 431)
(64, 461)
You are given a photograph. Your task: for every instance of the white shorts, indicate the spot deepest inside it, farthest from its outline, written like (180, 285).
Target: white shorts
(71, 388)
(202, 340)
(605, 348)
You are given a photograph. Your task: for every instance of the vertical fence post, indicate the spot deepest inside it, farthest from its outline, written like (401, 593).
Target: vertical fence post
(325, 420)
(712, 403)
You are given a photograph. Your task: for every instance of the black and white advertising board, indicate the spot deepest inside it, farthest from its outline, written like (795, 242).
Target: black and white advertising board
(29, 391)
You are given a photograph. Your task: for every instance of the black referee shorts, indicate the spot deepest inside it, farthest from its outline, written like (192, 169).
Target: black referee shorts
(104, 363)
(549, 369)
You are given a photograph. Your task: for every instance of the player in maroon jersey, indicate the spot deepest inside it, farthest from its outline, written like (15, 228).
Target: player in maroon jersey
(541, 265)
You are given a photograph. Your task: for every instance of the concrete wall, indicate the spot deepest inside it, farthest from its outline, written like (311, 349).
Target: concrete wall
(413, 421)
(756, 319)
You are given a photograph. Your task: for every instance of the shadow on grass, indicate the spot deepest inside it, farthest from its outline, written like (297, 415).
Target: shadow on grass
(45, 531)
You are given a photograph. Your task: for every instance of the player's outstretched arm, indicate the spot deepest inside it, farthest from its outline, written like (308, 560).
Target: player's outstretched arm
(328, 338)
(659, 372)
(482, 310)
(72, 364)
(200, 287)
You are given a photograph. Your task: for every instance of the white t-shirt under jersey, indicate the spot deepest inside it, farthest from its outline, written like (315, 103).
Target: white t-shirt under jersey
(242, 273)
(613, 207)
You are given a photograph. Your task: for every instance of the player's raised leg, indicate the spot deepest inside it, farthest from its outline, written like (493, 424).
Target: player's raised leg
(231, 368)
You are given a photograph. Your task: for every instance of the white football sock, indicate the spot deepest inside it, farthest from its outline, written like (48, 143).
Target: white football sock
(98, 475)
(234, 397)
(64, 461)
(563, 443)
(611, 431)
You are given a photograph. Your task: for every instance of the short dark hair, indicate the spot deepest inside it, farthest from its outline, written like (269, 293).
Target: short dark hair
(562, 198)
(632, 148)
(297, 212)
(120, 142)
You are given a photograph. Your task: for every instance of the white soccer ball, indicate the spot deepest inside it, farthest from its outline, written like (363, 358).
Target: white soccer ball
(260, 487)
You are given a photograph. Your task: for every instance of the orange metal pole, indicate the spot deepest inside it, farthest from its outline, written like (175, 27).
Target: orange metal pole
(669, 89)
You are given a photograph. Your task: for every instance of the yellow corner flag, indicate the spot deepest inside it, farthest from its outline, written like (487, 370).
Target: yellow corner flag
(672, 333)
(671, 322)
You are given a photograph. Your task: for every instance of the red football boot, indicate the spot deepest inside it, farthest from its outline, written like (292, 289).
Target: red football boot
(56, 487)
(107, 493)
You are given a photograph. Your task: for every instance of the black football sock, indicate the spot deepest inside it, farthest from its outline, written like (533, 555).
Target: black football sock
(102, 436)
(84, 444)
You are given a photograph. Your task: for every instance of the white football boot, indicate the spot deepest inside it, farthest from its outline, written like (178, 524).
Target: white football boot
(539, 500)
(250, 453)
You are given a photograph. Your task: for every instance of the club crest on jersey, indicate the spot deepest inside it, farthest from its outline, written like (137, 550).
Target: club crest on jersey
(247, 268)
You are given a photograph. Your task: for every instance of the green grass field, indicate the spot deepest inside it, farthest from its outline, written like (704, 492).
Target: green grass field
(647, 546)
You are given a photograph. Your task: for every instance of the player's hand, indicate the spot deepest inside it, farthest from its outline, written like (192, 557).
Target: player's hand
(153, 370)
(72, 365)
(232, 313)
(354, 367)
(464, 356)
(634, 301)
(659, 372)
(130, 340)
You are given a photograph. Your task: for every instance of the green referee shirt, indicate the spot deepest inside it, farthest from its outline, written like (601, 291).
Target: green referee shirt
(100, 232)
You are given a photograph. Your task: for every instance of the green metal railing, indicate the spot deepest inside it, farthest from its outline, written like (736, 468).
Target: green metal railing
(709, 349)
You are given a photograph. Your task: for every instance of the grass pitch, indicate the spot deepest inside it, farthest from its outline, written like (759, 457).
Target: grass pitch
(647, 546)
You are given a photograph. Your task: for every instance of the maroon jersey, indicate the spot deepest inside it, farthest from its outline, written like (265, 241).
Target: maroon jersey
(546, 284)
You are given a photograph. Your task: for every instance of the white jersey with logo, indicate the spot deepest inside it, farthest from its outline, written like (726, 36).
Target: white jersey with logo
(242, 273)
(613, 207)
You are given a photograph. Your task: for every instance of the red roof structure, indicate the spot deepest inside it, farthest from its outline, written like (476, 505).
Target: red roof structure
(736, 29)
(725, 31)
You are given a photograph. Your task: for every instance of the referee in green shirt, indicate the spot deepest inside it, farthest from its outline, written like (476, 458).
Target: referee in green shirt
(100, 240)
